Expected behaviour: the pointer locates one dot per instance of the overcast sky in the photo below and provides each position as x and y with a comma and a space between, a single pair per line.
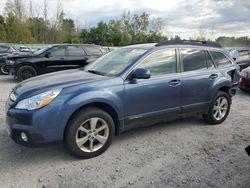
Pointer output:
181, 17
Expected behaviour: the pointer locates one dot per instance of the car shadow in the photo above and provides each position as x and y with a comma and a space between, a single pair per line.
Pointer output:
244, 93
12, 152
7, 79
181, 123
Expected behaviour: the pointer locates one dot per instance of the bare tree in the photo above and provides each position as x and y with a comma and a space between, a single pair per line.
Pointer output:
212, 33
31, 13
45, 18
201, 33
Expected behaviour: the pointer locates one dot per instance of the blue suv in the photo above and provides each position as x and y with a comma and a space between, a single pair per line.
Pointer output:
130, 87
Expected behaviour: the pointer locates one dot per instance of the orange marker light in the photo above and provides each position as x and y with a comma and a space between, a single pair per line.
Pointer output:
46, 102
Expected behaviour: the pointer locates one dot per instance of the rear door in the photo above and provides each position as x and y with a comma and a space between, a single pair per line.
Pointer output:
228, 68
74, 57
198, 76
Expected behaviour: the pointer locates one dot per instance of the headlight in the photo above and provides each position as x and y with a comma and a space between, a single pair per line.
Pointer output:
38, 101
12, 96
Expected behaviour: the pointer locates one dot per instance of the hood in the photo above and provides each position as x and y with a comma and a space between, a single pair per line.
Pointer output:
59, 79
20, 56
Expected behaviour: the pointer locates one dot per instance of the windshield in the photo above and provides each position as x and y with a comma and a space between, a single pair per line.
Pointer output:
114, 62
38, 52
4, 49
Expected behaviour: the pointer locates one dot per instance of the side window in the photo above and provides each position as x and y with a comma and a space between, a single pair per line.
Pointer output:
220, 59
193, 59
244, 55
160, 62
210, 63
57, 51
92, 51
74, 51
3, 49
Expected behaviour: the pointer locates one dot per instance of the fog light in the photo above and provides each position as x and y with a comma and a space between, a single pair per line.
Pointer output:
24, 137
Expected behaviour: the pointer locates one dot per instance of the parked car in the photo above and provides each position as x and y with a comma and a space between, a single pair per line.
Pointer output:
245, 79
51, 59
23, 49
243, 59
4, 51
129, 87
248, 150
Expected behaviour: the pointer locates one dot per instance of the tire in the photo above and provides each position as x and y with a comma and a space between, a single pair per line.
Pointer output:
3, 69
79, 136
25, 72
218, 110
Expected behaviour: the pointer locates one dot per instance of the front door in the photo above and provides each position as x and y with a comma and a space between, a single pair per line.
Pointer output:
55, 60
148, 101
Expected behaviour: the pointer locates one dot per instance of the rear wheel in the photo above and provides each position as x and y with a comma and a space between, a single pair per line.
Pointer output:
89, 133
3, 69
219, 108
25, 72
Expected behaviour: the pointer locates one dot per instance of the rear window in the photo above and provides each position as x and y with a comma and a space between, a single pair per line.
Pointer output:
92, 51
74, 51
220, 59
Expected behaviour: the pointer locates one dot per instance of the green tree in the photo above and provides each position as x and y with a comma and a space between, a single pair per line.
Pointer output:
67, 30
17, 29
84, 36
37, 27
2, 29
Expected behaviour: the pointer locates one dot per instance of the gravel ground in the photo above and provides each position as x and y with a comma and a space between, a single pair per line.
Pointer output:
182, 153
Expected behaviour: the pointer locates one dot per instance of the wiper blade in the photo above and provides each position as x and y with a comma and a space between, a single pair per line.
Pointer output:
97, 72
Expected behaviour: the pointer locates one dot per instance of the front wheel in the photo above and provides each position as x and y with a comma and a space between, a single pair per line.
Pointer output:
25, 72
219, 108
89, 133
3, 69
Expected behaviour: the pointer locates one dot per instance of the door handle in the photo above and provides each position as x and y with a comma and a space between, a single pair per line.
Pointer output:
174, 82
213, 76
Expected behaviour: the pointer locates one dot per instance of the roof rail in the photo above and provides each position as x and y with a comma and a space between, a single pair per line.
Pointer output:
189, 42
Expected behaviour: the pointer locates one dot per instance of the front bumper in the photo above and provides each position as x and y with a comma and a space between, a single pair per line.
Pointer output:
41, 126
12, 70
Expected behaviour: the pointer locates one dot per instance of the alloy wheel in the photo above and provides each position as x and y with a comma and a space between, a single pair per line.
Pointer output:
4, 69
92, 134
220, 108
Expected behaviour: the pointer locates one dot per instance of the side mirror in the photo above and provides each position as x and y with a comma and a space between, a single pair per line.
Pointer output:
47, 55
140, 73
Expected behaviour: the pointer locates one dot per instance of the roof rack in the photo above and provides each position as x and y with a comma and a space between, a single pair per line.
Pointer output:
190, 42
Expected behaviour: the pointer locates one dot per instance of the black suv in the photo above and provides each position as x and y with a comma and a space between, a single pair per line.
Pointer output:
51, 59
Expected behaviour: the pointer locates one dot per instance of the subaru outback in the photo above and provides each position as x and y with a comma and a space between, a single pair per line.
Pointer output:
129, 87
